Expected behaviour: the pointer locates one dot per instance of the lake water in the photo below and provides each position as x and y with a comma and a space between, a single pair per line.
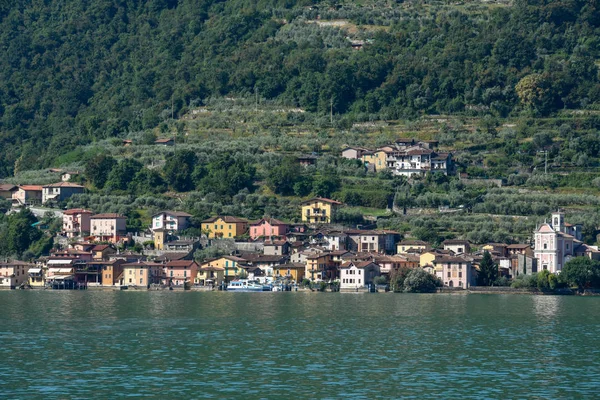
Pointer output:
69, 344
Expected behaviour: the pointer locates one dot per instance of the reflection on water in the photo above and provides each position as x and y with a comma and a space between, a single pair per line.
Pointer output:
319, 345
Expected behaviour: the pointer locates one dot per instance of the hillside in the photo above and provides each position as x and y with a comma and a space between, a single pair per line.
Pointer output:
76, 72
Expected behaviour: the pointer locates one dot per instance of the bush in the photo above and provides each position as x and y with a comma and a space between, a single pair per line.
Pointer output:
420, 281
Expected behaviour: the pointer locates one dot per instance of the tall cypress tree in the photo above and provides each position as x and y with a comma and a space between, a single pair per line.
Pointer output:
488, 271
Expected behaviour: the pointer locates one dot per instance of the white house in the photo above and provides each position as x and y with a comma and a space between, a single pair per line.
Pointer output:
357, 275
171, 220
108, 226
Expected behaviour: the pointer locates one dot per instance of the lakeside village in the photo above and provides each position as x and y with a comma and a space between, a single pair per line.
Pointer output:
270, 254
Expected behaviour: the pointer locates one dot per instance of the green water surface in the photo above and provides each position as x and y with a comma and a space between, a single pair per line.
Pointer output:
78, 344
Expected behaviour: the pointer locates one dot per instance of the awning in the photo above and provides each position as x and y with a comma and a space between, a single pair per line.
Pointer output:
54, 270
34, 270
59, 262
65, 270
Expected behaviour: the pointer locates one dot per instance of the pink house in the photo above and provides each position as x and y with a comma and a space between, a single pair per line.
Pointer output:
267, 227
181, 271
76, 222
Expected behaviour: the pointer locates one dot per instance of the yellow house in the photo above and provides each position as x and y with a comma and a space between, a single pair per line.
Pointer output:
319, 210
404, 246
318, 265
210, 275
230, 265
378, 158
224, 227
142, 274
294, 271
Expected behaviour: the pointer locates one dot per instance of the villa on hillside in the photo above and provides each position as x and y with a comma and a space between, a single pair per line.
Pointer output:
319, 210
60, 191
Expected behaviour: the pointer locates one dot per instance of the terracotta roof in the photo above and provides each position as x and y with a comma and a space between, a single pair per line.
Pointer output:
226, 218
180, 263
36, 188
107, 215
271, 221
163, 140
7, 187
324, 200
74, 211
100, 247
64, 184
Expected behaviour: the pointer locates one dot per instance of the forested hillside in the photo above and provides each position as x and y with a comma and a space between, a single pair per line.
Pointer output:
73, 72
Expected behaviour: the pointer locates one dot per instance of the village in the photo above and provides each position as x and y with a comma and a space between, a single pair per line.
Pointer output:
314, 253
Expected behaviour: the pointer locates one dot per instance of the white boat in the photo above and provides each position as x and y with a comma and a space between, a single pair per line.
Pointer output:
244, 285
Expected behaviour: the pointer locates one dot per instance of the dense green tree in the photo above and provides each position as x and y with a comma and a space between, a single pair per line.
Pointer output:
488, 270
283, 177
179, 169
122, 174
227, 175
581, 272
19, 233
418, 280
325, 184
98, 168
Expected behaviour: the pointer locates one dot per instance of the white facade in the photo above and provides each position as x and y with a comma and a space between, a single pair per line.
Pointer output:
357, 275
553, 247
172, 221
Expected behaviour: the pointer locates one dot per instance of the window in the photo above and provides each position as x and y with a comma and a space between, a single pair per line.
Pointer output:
359, 281
460, 274
448, 274
141, 281
545, 246
184, 274
129, 280
171, 273
460, 250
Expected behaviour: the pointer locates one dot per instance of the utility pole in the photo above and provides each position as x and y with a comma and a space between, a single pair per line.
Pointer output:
546, 163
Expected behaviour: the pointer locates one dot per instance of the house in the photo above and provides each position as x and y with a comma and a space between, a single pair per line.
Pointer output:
112, 272
426, 258
276, 248
319, 210
108, 227
407, 158
231, 266
406, 246
181, 271
320, 266
102, 252
499, 249
76, 222
127, 142
27, 194
307, 160
553, 246
181, 246
268, 227
6, 190
513, 249
292, 271
36, 276
264, 262
14, 273
224, 227
335, 241
455, 271
210, 275
457, 246
165, 142
354, 153
143, 274
68, 175
357, 275
388, 264
60, 191
173, 221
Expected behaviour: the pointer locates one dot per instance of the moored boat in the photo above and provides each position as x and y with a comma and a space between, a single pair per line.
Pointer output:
244, 285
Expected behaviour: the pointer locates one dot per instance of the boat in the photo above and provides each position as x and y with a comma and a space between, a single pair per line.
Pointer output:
244, 285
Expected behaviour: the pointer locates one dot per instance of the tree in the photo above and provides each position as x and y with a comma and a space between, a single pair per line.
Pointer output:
581, 272
397, 277
536, 93
20, 233
488, 270
282, 179
98, 168
123, 174
419, 281
147, 181
325, 184
178, 170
